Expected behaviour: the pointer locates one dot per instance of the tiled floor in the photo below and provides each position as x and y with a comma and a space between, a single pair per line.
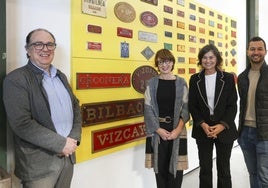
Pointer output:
238, 169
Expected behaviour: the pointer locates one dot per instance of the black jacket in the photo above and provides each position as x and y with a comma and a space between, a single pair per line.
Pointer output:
225, 105
261, 101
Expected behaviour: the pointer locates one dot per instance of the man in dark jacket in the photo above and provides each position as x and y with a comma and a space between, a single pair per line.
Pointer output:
44, 116
253, 117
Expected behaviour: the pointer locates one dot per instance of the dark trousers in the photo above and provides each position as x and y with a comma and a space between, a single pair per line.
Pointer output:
223, 154
164, 179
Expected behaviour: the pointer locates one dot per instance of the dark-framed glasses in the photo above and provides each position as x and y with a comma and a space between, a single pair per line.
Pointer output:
164, 62
40, 45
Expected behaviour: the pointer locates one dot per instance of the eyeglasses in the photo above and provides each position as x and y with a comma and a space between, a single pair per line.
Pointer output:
163, 62
40, 45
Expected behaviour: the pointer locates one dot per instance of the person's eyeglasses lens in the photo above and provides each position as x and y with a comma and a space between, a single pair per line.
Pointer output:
161, 63
40, 45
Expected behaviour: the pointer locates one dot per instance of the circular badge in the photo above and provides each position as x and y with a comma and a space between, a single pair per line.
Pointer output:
124, 12
148, 19
141, 75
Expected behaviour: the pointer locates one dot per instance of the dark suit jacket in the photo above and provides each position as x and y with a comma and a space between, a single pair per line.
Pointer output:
37, 143
225, 105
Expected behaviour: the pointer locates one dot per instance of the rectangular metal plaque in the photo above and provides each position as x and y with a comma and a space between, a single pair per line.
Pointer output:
192, 70
180, 13
103, 112
102, 80
123, 32
180, 25
168, 34
202, 30
181, 70
192, 60
94, 46
104, 139
94, 29
168, 22
168, 9
96, 8
153, 2
181, 59
180, 48
192, 27
168, 46
202, 20
146, 36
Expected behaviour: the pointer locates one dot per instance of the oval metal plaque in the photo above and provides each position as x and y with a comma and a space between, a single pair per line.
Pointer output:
124, 12
148, 19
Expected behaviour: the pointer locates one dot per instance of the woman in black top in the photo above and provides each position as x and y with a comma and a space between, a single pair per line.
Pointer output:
165, 115
212, 104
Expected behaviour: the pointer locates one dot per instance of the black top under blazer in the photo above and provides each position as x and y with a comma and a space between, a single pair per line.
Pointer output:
225, 103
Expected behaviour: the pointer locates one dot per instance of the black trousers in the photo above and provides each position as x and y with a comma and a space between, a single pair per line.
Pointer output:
223, 154
164, 179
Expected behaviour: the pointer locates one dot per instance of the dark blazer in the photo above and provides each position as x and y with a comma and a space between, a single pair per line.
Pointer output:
37, 144
225, 105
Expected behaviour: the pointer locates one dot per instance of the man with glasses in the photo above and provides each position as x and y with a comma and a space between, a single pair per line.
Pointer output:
44, 116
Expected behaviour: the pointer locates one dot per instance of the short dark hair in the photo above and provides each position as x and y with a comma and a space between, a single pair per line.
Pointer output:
256, 38
164, 54
29, 36
215, 51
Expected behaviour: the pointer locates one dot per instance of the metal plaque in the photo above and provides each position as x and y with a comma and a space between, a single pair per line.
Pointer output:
103, 112
168, 34
233, 62
123, 32
181, 59
233, 34
202, 30
192, 70
201, 10
107, 138
124, 12
141, 75
181, 48
96, 8
202, 40
192, 6
94, 46
180, 25
124, 49
102, 80
180, 36
94, 29
153, 2
168, 9
192, 60
168, 22
192, 38
181, 70
148, 19
180, 13
146, 36
192, 27
202, 20
192, 50
168, 46
147, 52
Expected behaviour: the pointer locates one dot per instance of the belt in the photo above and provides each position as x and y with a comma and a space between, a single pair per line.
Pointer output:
166, 119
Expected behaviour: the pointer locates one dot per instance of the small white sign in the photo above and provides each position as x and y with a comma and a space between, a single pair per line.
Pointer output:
94, 7
146, 36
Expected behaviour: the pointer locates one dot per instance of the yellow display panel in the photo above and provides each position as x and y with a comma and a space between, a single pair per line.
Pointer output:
183, 26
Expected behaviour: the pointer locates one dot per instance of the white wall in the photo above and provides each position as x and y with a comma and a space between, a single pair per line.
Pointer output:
121, 169
263, 27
